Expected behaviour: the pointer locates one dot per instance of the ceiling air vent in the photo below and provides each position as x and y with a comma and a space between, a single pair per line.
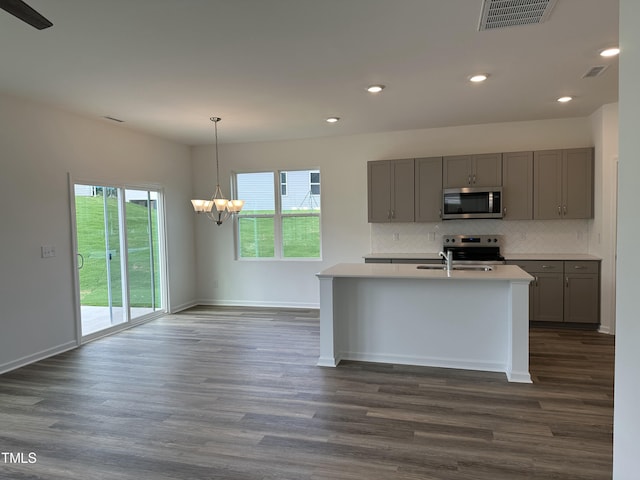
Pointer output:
508, 13
595, 71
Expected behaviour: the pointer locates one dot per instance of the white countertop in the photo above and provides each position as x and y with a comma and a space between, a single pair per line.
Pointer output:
391, 270
508, 256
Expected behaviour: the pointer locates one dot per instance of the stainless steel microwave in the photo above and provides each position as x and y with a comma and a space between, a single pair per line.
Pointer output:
472, 202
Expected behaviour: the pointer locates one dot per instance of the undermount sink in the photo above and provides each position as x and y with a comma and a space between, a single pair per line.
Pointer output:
477, 268
474, 268
431, 267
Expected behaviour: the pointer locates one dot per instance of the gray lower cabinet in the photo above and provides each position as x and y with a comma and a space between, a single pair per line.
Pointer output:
390, 190
563, 291
582, 292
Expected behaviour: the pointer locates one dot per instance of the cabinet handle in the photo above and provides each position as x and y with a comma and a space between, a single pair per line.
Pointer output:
579, 267
567, 281
559, 210
440, 213
565, 209
393, 214
469, 180
474, 178
535, 280
547, 266
388, 214
504, 211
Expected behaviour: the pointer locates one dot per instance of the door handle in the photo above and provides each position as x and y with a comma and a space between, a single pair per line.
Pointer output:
559, 210
81, 263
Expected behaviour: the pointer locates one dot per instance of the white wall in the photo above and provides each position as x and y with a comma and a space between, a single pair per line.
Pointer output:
39, 146
346, 235
627, 388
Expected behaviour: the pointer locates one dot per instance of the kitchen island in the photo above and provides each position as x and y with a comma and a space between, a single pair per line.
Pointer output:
398, 313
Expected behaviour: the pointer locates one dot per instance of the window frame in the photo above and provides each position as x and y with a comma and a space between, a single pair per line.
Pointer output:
278, 215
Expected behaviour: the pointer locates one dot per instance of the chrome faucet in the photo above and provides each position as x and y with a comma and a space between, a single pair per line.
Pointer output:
447, 258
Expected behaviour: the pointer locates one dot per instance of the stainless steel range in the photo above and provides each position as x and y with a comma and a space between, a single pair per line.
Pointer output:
479, 249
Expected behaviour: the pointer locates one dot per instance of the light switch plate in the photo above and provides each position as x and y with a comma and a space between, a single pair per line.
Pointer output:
47, 251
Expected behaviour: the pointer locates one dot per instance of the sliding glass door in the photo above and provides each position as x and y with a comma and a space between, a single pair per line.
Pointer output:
143, 245
118, 242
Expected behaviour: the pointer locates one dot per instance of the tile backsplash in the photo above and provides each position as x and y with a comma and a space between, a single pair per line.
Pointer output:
531, 236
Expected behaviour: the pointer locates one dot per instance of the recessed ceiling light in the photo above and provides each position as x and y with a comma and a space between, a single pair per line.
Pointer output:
610, 52
565, 99
479, 78
332, 119
375, 88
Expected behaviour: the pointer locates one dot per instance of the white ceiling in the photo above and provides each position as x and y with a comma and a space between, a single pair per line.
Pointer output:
274, 69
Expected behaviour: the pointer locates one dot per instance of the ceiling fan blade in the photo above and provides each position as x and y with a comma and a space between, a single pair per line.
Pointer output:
25, 13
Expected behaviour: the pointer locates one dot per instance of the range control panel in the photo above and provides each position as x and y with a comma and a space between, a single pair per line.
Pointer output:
472, 240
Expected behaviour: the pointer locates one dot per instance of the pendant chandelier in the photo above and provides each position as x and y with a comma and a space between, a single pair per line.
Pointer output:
223, 208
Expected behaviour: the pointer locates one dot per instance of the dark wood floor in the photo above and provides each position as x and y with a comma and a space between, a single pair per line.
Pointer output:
235, 394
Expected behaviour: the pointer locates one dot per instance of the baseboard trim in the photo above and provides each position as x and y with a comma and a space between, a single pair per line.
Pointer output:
36, 357
257, 304
183, 306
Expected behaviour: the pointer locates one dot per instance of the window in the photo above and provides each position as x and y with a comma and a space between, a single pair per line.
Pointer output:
281, 214
314, 183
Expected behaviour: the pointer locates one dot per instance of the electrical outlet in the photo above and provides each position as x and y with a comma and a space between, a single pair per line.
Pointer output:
47, 251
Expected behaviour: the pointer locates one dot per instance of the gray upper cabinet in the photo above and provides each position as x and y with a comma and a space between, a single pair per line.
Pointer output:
563, 184
517, 185
483, 170
428, 189
390, 190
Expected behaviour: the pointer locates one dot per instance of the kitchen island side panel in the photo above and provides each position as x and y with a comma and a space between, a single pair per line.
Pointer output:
431, 322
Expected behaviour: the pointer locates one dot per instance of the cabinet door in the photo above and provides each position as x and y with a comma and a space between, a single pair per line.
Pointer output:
402, 191
548, 301
581, 299
577, 186
517, 185
456, 171
379, 191
582, 292
547, 184
487, 170
428, 189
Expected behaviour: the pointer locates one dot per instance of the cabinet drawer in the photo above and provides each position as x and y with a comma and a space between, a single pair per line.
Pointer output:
539, 266
584, 266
